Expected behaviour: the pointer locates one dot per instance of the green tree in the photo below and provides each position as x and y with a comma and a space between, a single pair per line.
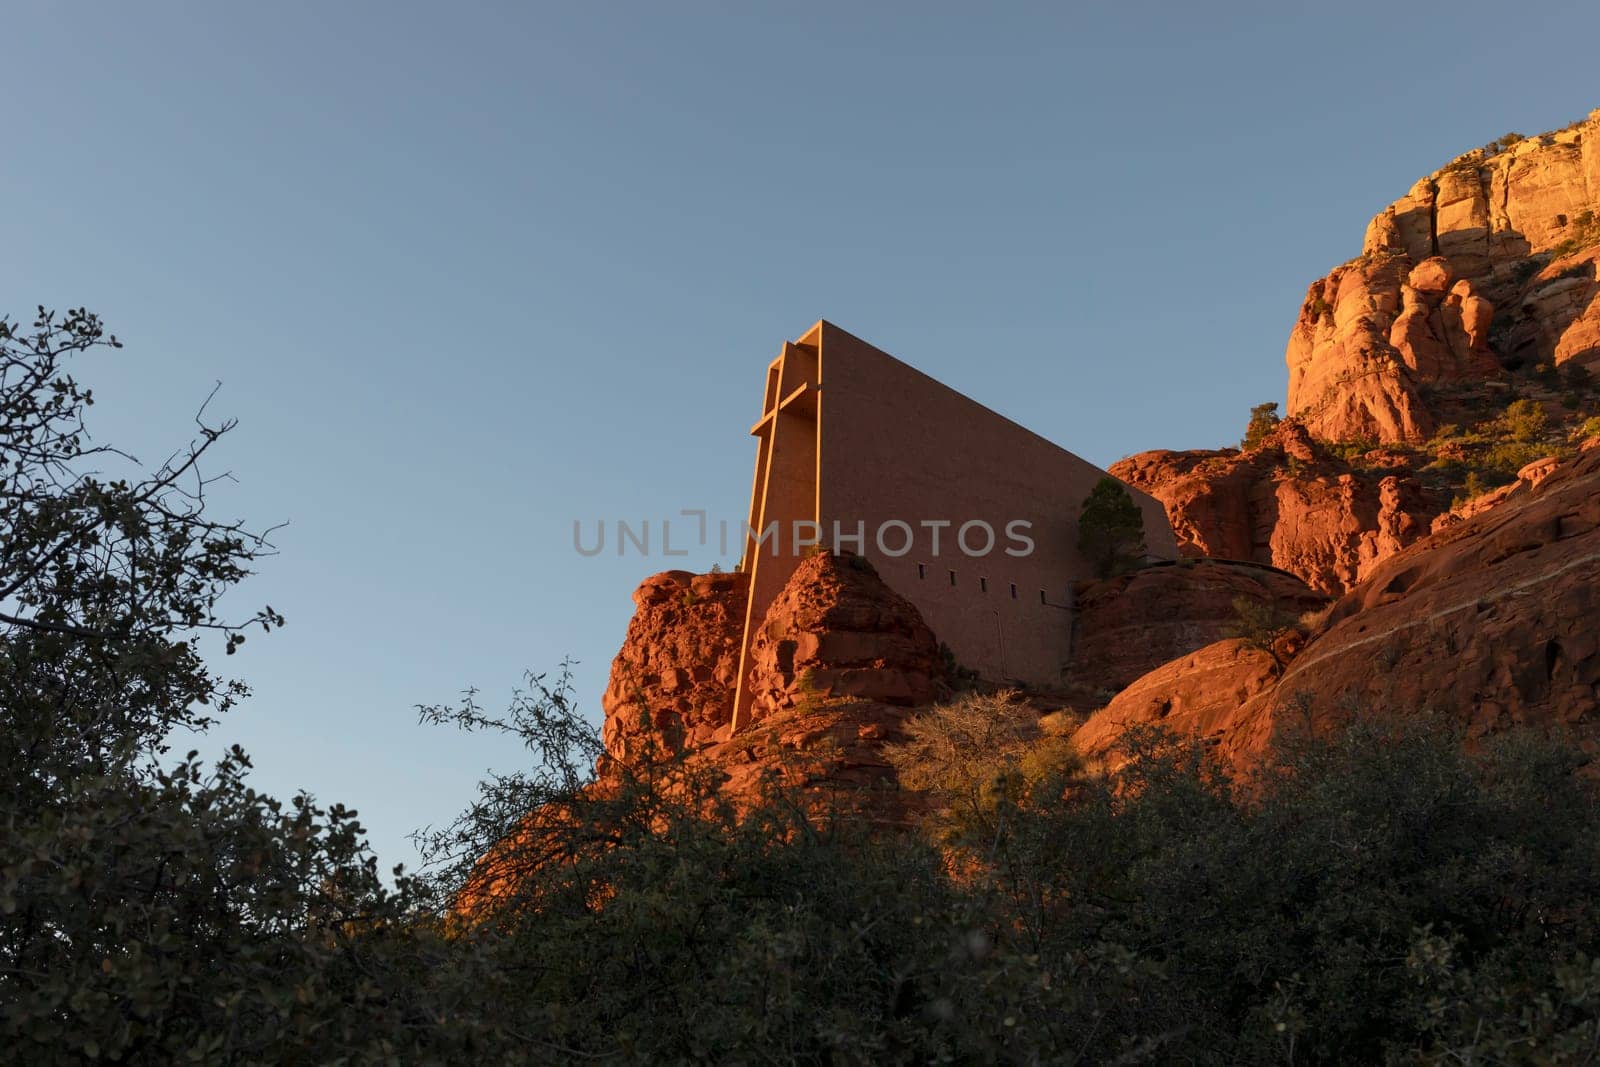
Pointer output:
1261, 624
150, 909
1110, 528
1263, 420
1524, 420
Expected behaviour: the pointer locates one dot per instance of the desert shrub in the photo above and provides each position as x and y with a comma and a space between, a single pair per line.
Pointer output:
1502, 461
956, 674
1350, 451
1372, 892
1590, 428
1263, 420
966, 754
1260, 623
1472, 486
1524, 421
1284, 921
1523, 271
152, 908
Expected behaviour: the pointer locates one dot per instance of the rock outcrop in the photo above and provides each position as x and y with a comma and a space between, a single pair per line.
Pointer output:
672, 682
1130, 625
837, 630
1499, 240
1527, 478
1490, 621
1212, 693
836, 666
1288, 503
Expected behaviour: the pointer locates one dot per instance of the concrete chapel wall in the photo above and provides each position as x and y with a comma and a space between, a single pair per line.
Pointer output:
851, 435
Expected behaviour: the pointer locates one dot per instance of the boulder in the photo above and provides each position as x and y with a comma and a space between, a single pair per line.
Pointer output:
838, 630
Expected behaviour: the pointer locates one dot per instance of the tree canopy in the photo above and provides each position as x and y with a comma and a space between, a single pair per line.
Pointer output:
1110, 528
1263, 420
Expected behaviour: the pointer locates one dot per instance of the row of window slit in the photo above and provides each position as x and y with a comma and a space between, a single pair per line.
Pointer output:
983, 583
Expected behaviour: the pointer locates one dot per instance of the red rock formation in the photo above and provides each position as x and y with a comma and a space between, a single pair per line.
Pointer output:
1415, 309
1560, 314
1528, 477
1288, 503
1210, 694
672, 681
837, 630
837, 665
1490, 621
827, 753
1128, 626
1485, 269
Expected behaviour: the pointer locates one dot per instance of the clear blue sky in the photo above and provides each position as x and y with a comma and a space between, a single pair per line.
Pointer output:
469, 272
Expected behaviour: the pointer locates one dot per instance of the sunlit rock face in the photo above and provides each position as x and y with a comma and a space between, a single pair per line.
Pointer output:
1289, 503
1488, 622
1485, 264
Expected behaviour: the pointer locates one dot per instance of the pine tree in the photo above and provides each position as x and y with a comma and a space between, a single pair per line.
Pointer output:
1110, 529
1263, 420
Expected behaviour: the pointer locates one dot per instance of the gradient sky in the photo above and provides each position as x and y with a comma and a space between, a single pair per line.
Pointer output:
468, 273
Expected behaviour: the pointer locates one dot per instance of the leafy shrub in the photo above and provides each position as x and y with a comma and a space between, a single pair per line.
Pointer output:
1375, 892
1472, 487
966, 755
1524, 271
1263, 420
1524, 420
1351, 450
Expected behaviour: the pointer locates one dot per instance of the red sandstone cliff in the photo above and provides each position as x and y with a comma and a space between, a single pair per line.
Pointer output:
672, 682
1490, 622
1290, 503
1129, 625
1465, 273
837, 664
1474, 291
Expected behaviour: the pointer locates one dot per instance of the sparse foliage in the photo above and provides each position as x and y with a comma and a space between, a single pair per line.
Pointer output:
1111, 529
1524, 421
1261, 624
1263, 420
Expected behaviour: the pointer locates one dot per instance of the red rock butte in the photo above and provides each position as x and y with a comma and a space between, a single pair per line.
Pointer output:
966, 514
